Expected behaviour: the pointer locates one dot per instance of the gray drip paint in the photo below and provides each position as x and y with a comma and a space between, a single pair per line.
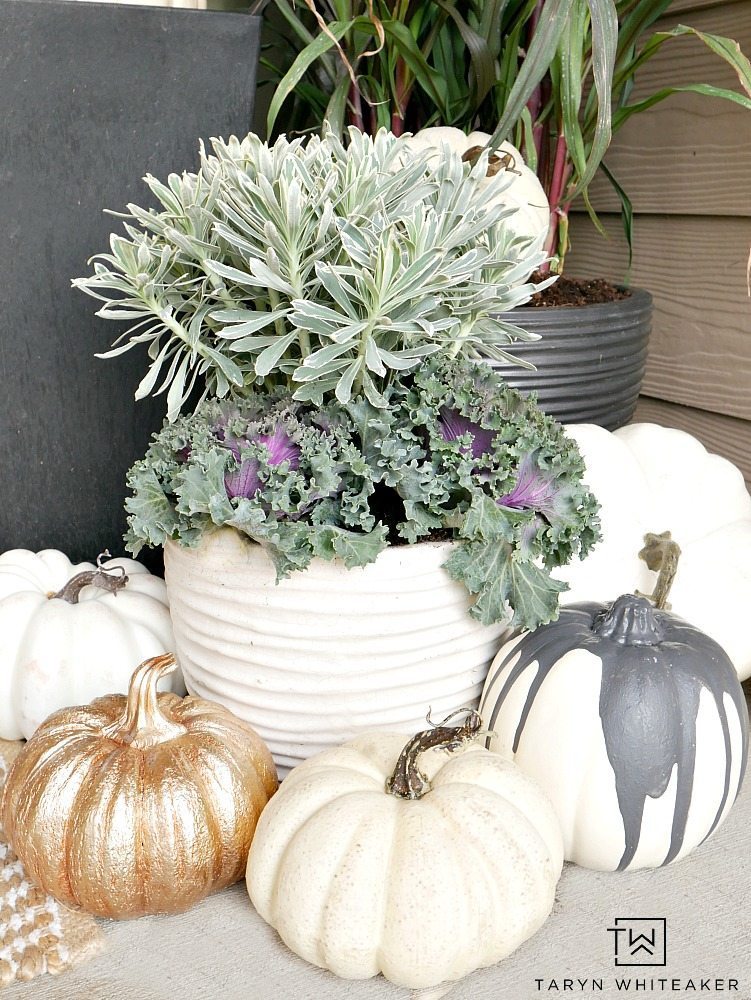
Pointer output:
654, 668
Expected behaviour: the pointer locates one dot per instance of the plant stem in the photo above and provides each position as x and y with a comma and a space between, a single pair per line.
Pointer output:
542, 137
661, 554
456, 345
355, 104
144, 724
303, 339
559, 180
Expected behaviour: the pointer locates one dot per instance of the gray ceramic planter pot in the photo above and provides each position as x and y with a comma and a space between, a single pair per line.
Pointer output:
92, 97
590, 361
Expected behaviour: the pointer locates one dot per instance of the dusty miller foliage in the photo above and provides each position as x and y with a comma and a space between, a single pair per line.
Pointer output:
321, 267
455, 451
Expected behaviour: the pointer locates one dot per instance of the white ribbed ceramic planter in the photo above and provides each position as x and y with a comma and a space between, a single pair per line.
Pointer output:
328, 652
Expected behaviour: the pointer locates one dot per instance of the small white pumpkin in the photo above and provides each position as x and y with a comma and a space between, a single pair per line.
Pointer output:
654, 479
71, 633
524, 192
366, 863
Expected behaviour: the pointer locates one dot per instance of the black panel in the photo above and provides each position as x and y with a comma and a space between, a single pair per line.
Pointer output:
92, 96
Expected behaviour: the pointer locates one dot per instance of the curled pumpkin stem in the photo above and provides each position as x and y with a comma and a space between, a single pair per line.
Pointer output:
408, 781
113, 579
661, 554
496, 161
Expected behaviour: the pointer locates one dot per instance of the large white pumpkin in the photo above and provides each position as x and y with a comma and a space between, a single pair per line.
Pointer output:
656, 479
361, 881
57, 651
518, 186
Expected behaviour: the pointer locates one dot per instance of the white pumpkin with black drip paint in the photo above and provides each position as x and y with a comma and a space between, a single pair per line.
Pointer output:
631, 719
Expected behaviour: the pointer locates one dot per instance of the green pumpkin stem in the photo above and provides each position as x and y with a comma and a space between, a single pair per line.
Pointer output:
143, 724
113, 580
408, 781
661, 554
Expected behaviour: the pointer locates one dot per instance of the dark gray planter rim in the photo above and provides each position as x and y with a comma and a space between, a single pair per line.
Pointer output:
639, 299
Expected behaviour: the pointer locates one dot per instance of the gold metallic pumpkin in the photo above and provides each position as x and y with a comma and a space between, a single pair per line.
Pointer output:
137, 805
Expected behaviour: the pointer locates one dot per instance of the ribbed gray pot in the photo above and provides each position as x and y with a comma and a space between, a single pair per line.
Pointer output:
590, 361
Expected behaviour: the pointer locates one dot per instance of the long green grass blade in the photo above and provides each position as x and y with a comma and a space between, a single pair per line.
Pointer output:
489, 26
627, 216
309, 55
604, 22
540, 55
621, 116
637, 21
571, 65
336, 109
423, 73
726, 48
483, 65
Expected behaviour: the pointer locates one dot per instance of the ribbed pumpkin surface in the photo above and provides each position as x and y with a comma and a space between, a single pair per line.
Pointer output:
328, 652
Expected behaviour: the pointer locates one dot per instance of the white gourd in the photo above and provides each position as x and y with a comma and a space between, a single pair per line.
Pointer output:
654, 479
518, 186
56, 652
360, 881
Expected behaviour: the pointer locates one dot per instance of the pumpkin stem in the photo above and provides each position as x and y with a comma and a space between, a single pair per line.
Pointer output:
661, 554
408, 781
112, 579
496, 161
631, 621
143, 724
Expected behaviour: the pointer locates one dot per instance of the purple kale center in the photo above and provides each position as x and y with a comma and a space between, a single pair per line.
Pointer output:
453, 426
535, 489
245, 481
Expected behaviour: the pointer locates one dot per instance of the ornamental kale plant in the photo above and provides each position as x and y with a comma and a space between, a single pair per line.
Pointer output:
322, 268
454, 454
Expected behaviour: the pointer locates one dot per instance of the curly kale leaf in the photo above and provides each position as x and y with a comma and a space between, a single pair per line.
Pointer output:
509, 588
465, 451
353, 548
152, 518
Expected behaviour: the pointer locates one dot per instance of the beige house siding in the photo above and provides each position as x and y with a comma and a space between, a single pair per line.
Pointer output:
686, 165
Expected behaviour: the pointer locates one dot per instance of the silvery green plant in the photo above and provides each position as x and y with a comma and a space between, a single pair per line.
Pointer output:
322, 268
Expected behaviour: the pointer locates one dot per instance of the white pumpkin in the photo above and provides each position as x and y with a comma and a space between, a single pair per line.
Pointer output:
447, 870
656, 479
57, 651
524, 192
632, 721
